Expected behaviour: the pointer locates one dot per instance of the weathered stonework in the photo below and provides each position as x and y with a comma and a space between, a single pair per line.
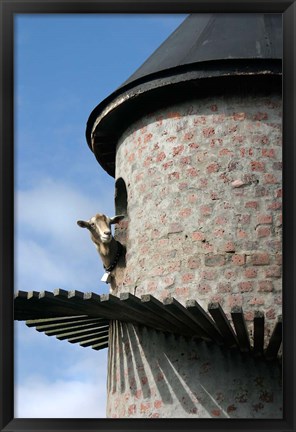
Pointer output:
204, 193
204, 201
153, 375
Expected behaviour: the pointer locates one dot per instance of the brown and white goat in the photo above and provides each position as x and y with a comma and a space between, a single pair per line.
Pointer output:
110, 250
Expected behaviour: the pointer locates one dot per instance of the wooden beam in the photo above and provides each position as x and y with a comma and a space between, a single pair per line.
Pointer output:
100, 346
241, 328
94, 341
124, 312
181, 313
75, 330
81, 338
203, 319
56, 320
71, 324
92, 304
138, 307
258, 334
275, 341
223, 325
156, 307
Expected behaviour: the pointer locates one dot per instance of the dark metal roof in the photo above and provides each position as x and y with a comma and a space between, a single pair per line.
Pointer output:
215, 47
83, 318
205, 37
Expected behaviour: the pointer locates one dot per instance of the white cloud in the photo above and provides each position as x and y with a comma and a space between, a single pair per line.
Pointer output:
52, 209
40, 398
51, 250
57, 379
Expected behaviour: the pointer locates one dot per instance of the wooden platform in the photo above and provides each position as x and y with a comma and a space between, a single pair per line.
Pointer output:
84, 318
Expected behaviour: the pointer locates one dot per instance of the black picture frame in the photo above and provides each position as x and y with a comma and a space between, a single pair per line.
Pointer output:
10, 7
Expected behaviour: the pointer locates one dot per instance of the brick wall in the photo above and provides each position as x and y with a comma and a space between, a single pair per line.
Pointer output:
204, 193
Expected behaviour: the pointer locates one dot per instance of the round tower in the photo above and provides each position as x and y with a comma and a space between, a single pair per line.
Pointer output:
194, 142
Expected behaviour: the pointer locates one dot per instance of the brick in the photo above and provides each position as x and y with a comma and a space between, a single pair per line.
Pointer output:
241, 234
224, 287
264, 219
214, 260
166, 165
225, 152
160, 157
145, 407
238, 259
244, 219
275, 205
260, 116
250, 272
182, 292
185, 160
174, 176
268, 153
158, 404
234, 300
229, 247
209, 274
273, 272
178, 150
215, 142
263, 231
132, 409
207, 247
219, 233
192, 172
198, 236
270, 179
270, 314
203, 288
252, 204
230, 274
258, 166
239, 116
246, 286
187, 277
175, 228
266, 286
193, 263
205, 210
192, 198
188, 136
257, 301
208, 131
184, 213
220, 220
212, 168
258, 259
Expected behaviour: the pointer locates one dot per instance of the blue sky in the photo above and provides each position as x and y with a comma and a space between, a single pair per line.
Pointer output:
64, 66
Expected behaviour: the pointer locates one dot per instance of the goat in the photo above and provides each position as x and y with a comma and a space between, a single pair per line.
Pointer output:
112, 252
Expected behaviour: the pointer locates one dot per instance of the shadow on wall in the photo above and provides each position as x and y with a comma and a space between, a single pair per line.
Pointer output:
184, 377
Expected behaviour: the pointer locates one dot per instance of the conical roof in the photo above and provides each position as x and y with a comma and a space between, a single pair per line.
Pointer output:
204, 46
206, 37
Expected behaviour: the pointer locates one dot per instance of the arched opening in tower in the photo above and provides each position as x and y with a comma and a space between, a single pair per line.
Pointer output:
120, 197
121, 203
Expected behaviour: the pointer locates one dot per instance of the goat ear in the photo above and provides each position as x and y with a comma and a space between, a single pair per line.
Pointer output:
116, 219
83, 224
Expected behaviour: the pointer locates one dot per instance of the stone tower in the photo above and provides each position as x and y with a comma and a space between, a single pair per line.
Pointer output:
194, 142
